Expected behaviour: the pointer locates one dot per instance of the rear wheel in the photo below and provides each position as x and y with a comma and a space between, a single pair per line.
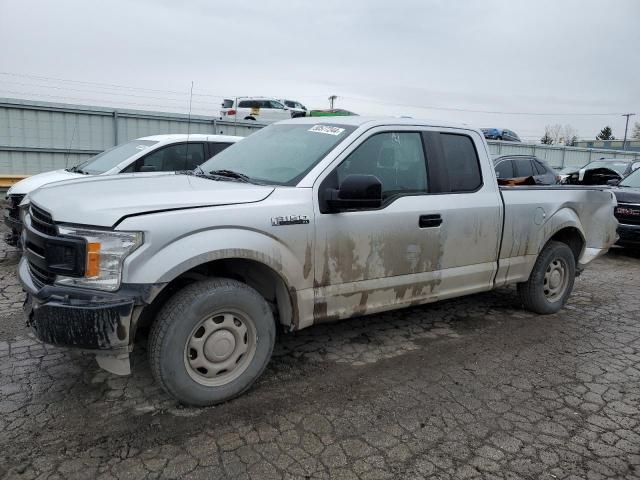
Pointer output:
551, 281
250, 118
211, 341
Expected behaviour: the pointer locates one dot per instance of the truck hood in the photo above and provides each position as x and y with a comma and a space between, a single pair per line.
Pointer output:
29, 184
103, 201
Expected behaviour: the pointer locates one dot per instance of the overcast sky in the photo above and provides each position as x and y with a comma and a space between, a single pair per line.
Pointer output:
425, 58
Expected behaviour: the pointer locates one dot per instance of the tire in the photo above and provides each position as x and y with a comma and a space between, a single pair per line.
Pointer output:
205, 327
250, 118
551, 280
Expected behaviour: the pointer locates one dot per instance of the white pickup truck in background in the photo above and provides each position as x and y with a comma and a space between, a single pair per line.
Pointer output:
157, 153
303, 222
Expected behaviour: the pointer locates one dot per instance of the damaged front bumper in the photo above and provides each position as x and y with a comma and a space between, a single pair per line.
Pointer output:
95, 321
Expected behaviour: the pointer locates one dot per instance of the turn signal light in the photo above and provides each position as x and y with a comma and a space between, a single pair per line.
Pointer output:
93, 260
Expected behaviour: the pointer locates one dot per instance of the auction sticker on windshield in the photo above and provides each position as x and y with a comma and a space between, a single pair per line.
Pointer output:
329, 130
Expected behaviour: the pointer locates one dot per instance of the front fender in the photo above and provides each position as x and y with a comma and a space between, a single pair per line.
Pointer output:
165, 264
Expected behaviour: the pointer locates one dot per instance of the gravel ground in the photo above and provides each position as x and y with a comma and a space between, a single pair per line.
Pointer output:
468, 388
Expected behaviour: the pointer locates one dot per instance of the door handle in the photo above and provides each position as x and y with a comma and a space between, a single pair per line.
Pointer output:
430, 221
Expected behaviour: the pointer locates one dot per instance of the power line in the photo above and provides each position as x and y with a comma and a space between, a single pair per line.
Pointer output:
142, 89
94, 100
433, 107
105, 85
56, 87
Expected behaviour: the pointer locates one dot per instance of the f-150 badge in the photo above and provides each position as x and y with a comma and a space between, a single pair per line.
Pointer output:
289, 220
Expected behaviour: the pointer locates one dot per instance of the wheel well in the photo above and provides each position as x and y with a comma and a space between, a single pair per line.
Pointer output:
266, 281
572, 237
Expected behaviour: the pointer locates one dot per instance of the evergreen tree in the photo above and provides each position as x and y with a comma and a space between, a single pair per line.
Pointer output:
605, 134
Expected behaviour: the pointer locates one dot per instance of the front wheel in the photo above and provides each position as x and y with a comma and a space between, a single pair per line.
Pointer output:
211, 341
551, 280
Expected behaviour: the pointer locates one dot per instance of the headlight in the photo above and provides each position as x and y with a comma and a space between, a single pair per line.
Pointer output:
105, 253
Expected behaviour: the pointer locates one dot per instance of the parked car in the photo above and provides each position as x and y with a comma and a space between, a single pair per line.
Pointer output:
500, 134
157, 153
600, 172
627, 212
306, 221
263, 109
297, 109
522, 166
331, 112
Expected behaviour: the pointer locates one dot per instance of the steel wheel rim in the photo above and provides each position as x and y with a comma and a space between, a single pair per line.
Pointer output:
220, 347
556, 279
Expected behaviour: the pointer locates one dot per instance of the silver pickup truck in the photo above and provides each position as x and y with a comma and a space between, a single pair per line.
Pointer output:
306, 221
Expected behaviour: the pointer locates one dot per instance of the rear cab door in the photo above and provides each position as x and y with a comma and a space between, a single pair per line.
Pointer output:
435, 236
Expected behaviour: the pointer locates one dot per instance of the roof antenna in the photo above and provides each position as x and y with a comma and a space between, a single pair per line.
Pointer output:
73, 134
186, 153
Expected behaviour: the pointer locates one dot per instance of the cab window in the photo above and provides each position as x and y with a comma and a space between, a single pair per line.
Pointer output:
396, 158
183, 156
460, 163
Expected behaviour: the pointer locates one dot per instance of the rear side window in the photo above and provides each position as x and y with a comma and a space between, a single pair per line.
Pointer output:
181, 156
539, 167
504, 169
461, 163
216, 147
524, 167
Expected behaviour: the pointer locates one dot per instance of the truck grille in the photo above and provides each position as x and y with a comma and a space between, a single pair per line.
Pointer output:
13, 206
41, 277
49, 254
627, 213
42, 221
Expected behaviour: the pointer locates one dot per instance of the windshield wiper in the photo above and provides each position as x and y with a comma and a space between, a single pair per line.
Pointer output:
77, 169
231, 174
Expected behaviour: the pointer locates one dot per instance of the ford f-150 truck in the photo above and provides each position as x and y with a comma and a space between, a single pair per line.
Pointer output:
303, 222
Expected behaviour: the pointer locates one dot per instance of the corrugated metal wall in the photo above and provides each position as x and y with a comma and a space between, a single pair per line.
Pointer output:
40, 136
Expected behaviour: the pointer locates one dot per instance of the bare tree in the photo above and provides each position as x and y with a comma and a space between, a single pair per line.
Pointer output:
558, 134
552, 133
569, 136
636, 131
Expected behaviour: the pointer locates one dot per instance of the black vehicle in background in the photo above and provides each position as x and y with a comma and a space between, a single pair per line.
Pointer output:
599, 172
522, 166
500, 134
627, 212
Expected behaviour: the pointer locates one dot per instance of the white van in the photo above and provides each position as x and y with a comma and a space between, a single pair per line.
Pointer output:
158, 153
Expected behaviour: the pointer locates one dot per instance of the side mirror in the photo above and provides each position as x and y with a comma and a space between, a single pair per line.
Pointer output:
147, 168
355, 192
613, 182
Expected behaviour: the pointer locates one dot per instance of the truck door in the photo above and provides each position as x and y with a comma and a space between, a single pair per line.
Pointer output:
428, 240
467, 198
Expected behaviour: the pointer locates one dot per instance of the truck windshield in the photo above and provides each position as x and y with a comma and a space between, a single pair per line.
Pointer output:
112, 157
633, 180
280, 154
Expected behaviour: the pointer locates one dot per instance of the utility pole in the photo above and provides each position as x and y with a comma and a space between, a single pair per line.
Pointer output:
332, 99
624, 142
